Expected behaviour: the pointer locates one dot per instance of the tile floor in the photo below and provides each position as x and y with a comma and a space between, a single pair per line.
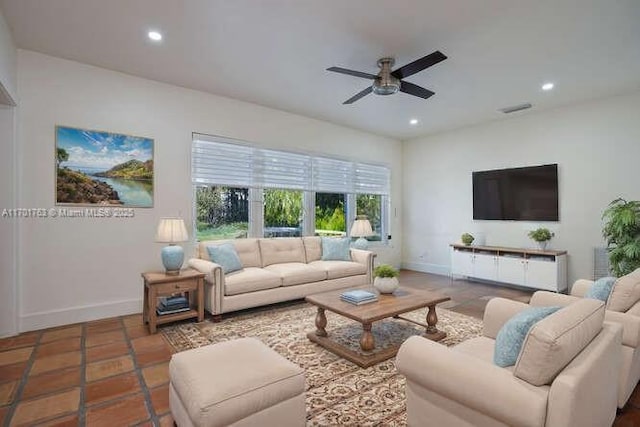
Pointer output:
112, 372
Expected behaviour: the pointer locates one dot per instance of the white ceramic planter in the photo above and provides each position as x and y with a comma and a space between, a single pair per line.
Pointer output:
386, 285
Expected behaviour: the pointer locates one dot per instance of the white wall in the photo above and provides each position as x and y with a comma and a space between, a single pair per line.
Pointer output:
8, 225
75, 269
596, 146
8, 57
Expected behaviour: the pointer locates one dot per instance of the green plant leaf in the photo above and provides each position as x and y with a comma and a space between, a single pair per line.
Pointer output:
621, 231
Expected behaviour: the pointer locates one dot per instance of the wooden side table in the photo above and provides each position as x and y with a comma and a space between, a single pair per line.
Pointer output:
161, 284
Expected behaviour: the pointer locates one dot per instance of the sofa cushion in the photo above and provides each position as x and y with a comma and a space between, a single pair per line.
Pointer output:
226, 256
296, 273
338, 269
336, 249
601, 289
281, 249
554, 341
250, 279
247, 249
511, 336
479, 347
625, 293
312, 248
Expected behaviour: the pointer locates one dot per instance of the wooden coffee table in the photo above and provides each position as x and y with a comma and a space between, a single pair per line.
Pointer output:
403, 300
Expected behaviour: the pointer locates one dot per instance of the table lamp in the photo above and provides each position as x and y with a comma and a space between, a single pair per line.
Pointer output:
172, 230
361, 228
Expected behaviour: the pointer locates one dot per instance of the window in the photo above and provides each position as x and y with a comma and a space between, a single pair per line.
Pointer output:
331, 214
370, 205
221, 212
245, 191
282, 213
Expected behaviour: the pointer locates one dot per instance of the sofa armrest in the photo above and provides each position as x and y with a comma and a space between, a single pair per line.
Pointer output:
472, 382
580, 287
214, 283
630, 326
364, 257
207, 267
546, 298
635, 309
497, 312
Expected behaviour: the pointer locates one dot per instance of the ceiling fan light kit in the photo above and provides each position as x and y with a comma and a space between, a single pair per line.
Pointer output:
388, 82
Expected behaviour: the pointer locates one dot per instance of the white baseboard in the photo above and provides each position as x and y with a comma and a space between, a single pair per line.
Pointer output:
442, 270
49, 319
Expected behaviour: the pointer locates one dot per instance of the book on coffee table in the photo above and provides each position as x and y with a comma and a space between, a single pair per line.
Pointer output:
358, 297
367, 301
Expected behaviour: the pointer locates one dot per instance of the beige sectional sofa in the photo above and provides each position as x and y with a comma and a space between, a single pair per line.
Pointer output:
275, 270
629, 319
564, 376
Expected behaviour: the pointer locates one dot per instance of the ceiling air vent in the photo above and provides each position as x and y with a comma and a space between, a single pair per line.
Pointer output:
515, 108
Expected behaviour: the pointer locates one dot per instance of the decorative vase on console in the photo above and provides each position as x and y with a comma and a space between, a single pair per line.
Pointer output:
385, 279
542, 236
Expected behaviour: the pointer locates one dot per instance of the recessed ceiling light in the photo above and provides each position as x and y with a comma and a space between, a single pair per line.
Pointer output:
155, 36
547, 86
413, 121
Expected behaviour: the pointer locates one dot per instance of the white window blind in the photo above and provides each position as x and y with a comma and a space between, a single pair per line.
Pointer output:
372, 179
217, 161
332, 176
280, 169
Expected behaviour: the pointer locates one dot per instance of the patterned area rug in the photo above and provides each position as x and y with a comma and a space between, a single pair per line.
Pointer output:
338, 392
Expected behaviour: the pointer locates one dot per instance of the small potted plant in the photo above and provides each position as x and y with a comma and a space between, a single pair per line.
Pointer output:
385, 278
467, 239
542, 236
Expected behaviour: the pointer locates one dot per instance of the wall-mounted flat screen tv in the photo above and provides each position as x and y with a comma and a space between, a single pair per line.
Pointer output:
518, 194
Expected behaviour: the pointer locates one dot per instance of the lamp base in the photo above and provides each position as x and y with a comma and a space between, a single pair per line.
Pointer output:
361, 243
172, 258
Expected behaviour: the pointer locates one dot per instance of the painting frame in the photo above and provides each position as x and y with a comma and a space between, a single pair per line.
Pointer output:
98, 168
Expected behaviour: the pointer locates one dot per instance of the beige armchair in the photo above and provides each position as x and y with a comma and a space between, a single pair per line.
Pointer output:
630, 320
562, 376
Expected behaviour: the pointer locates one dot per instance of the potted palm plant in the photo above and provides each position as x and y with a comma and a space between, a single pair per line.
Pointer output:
542, 236
622, 233
385, 278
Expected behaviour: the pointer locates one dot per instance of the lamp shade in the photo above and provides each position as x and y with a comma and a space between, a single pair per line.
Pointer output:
361, 228
171, 230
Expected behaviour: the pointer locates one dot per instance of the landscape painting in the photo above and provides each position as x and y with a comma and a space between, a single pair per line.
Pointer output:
103, 168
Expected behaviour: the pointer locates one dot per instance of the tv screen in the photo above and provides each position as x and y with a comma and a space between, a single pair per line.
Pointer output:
520, 194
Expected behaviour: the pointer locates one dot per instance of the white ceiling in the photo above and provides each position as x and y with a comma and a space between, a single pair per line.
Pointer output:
275, 52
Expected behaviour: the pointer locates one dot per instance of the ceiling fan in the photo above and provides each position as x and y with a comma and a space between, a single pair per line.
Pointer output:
388, 82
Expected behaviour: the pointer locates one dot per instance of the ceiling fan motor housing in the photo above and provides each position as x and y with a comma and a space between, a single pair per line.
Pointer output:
385, 83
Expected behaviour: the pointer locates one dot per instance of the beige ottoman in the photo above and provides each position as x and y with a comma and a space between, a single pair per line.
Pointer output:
240, 383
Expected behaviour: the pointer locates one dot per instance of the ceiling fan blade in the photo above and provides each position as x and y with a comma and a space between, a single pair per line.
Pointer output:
352, 73
419, 65
415, 90
358, 95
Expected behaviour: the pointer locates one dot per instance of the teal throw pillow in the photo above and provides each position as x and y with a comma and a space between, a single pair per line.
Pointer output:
512, 334
336, 249
225, 255
601, 289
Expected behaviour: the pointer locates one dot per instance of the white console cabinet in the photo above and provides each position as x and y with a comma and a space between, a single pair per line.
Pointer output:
523, 267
